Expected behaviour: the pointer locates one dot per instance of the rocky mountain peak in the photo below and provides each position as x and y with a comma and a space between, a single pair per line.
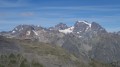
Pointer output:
61, 26
22, 26
81, 26
82, 23
26, 31
96, 27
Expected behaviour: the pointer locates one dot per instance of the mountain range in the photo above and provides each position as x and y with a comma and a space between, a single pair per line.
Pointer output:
82, 45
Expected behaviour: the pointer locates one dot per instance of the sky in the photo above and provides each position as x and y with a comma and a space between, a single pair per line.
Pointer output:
48, 13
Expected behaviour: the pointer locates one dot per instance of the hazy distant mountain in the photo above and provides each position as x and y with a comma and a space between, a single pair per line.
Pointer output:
118, 32
86, 41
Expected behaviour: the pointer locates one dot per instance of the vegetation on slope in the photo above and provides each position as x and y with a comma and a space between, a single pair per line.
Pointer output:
36, 54
17, 60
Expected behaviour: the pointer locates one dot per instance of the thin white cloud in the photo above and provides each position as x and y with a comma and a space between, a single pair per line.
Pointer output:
16, 3
92, 8
27, 14
2, 14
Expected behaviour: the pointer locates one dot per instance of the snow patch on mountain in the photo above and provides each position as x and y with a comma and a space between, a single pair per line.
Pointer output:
68, 30
87, 28
28, 33
35, 32
78, 32
13, 31
89, 24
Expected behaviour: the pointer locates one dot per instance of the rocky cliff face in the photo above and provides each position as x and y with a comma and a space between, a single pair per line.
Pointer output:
60, 26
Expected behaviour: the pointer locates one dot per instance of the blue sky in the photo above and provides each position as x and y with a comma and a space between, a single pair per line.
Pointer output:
51, 12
